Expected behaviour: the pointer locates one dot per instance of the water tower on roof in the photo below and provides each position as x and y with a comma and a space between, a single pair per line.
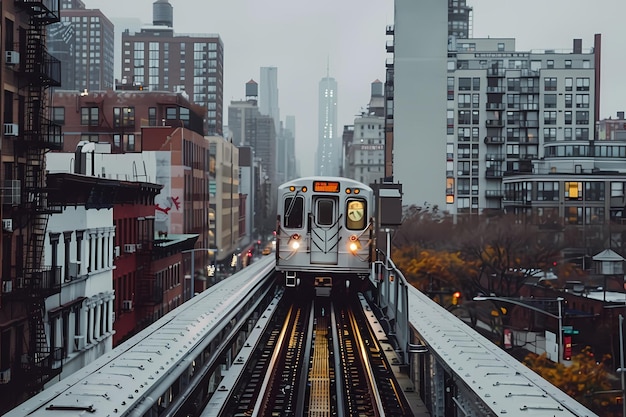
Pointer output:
162, 13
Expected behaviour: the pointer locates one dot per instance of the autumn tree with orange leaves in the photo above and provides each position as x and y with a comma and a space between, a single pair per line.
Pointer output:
493, 255
587, 380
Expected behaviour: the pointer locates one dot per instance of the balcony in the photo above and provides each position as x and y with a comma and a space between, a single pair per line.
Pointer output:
494, 140
494, 194
46, 69
43, 282
389, 63
46, 11
47, 136
527, 73
495, 106
390, 29
494, 123
494, 157
494, 173
495, 90
496, 72
39, 368
389, 45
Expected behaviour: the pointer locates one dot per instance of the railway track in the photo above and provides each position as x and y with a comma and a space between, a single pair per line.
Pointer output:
318, 359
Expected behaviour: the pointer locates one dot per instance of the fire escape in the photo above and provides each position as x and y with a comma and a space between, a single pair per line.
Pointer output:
35, 282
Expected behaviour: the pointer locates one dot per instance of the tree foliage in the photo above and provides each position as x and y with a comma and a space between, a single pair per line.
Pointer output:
587, 379
494, 255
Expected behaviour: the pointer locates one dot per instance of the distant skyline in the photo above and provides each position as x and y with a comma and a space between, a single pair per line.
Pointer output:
349, 35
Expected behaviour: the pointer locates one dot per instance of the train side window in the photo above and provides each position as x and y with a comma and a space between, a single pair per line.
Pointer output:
325, 212
356, 210
294, 212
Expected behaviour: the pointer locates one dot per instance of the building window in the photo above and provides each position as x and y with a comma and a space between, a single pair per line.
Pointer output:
549, 101
550, 64
171, 113
89, 116
582, 101
568, 101
58, 115
582, 84
568, 63
548, 191
582, 133
594, 191
568, 117
550, 83
574, 215
569, 83
549, 117
567, 133
465, 84
124, 117
582, 117
152, 116
573, 190
89, 138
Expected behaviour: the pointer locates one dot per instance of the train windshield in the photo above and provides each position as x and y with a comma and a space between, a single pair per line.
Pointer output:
294, 212
356, 214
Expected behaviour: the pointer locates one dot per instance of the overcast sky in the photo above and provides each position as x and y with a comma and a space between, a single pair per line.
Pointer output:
299, 38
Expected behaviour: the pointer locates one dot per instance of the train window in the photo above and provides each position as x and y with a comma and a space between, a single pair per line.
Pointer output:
325, 212
294, 212
356, 218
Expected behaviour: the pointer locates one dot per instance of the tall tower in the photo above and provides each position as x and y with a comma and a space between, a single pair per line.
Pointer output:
329, 144
268, 98
84, 43
165, 61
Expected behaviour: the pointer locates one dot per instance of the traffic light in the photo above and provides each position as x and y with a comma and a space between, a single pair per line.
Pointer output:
455, 298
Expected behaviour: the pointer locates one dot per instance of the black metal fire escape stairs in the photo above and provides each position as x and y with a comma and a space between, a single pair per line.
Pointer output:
39, 71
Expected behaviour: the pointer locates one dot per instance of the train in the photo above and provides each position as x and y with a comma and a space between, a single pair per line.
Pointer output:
325, 234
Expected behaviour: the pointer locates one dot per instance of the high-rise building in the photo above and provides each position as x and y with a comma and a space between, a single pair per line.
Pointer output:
84, 43
268, 97
251, 128
329, 144
416, 100
364, 142
465, 115
157, 59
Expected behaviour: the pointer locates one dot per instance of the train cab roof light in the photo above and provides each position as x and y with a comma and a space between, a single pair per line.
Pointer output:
356, 191
304, 189
348, 191
292, 188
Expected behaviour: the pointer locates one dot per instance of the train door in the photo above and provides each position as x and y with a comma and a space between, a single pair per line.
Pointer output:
325, 226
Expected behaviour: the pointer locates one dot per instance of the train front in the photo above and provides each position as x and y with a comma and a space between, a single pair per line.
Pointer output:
324, 233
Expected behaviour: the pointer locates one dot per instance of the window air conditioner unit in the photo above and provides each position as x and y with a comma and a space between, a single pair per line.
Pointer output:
12, 57
7, 286
129, 248
7, 225
79, 342
127, 305
74, 270
11, 129
5, 376
116, 251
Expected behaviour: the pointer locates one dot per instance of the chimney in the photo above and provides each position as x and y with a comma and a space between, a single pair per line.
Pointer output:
620, 115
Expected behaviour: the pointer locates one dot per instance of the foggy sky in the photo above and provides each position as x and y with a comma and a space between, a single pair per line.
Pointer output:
300, 38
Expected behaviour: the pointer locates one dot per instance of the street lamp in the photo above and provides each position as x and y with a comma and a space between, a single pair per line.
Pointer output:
193, 267
520, 303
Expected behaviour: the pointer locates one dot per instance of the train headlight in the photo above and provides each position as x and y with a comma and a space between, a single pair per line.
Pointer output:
294, 241
353, 244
